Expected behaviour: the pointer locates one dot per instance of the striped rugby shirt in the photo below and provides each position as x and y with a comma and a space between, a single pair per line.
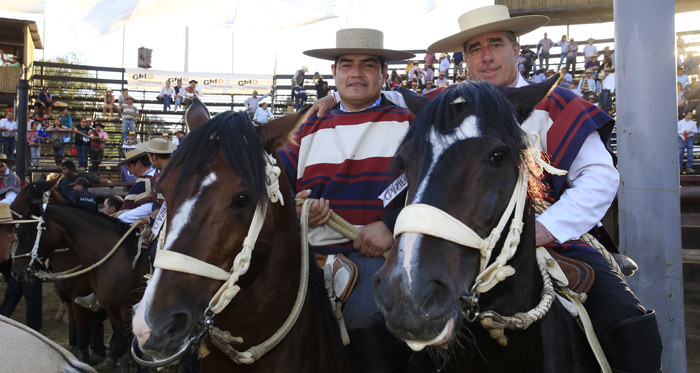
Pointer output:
346, 158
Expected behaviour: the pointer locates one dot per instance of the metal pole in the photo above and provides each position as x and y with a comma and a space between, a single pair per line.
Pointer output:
123, 45
22, 100
187, 48
232, 45
649, 198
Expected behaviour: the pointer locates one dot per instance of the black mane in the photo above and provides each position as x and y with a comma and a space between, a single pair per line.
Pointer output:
480, 99
234, 135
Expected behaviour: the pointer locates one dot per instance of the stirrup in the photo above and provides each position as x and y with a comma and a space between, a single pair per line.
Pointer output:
89, 302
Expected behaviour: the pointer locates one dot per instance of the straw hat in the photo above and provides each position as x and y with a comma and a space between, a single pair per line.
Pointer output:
306, 69
157, 145
487, 19
359, 41
131, 155
6, 215
3, 158
608, 69
589, 70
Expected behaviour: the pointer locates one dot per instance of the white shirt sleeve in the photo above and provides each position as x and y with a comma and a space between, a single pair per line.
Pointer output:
9, 197
594, 180
135, 214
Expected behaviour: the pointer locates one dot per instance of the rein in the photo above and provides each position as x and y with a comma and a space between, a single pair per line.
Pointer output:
169, 260
429, 220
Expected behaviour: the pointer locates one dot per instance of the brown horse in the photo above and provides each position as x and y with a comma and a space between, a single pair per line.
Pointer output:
464, 155
213, 186
90, 236
80, 319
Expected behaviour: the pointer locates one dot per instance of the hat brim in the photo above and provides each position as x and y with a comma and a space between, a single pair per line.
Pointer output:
134, 156
331, 53
146, 149
518, 25
6, 222
8, 160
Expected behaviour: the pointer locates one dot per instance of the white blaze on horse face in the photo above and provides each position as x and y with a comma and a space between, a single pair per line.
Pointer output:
440, 143
184, 212
407, 245
175, 226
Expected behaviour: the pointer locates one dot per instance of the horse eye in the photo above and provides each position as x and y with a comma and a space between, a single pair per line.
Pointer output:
241, 200
498, 158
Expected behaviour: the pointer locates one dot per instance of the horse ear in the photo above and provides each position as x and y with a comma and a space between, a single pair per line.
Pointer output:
50, 184
280, 131
414, 102
196, 114
525, 99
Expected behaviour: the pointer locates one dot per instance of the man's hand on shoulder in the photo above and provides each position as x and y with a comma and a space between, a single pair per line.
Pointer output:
374, 239
321, 106
319, 212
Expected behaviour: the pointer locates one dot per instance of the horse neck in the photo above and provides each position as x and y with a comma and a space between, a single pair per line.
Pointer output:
89, 239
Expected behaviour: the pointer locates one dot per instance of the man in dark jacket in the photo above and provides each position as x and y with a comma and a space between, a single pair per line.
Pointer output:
81, 196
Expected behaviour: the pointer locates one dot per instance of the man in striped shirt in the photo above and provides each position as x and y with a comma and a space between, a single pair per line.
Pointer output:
342, 160
129, 113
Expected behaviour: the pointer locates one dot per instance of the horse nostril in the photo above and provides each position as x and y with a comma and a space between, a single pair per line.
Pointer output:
438, 295
178, 324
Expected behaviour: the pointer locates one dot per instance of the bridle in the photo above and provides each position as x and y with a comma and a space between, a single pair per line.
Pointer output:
40, 228
173, 261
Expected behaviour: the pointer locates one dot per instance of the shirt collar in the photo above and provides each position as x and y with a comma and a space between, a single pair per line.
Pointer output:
376, 103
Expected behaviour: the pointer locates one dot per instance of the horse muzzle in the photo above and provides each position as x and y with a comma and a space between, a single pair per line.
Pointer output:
440, 340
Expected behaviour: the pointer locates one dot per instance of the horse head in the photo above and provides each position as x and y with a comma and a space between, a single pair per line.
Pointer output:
463, 156
219, 180
36, 194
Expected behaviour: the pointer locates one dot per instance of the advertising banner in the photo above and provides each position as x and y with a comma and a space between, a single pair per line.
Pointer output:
154, 80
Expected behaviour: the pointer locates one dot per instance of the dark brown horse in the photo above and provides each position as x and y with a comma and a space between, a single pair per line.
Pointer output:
463, 155
90, 236
80, 318
213, 186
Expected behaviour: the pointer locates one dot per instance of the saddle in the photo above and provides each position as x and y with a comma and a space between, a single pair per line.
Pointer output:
579, 274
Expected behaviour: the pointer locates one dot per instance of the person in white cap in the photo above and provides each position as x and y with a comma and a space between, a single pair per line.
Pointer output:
336, 160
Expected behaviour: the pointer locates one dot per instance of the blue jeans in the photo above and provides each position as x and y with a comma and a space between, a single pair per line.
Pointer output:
8, 146
682, 148
544, 56
127, 125
300, 101
36, 154
82, 155
58, 154
604, 100
178, 100
561, 61
166, 102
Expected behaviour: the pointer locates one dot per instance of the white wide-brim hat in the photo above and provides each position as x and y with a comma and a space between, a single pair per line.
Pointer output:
492, 18
6, 216
157, 145
359, 41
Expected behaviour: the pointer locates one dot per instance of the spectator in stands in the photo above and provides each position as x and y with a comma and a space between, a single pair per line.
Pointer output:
298, 96
681, 99
588, 85
166, 95
589, 50
532, 56
44, 100
178, 137
441, 80
687, 128
13, 62
112, 204
409, 67
457, 61
681, 77
416, 74
607, 62
129, 113
70, 176
109, 103
690, 65
564, 44
251, 104
571, 56
691, 94
574, 88
593, 64
178, 93
34, 144
396, 81
58, 133
428, 72
430, 59
299, 77
318, 84
539, 76
607, 90
131, 141
323, 92
191, 92
8, 126
66, 119
524, 64
82, 142
10, 184
428, 87
565, 78
545, 44
263, 114
414, 87
81, 196
123, 97
97, 149
606, 53
445, 65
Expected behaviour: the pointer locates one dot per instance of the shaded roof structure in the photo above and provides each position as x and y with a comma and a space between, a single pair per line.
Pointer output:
576, 12
12, 32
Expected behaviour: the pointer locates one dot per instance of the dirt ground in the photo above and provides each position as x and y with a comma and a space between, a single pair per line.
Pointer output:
55, 330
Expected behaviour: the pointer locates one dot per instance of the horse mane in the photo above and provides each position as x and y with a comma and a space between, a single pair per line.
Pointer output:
491, 108
234, 135
120, 228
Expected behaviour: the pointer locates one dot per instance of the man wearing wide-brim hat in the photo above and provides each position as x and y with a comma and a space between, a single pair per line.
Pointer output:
574, 134
7, 234
588, 83
139, 164
357, 137
10, 184
607, 90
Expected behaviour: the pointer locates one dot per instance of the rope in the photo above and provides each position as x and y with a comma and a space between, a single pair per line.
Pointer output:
223, 340
339, 224
71, 272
